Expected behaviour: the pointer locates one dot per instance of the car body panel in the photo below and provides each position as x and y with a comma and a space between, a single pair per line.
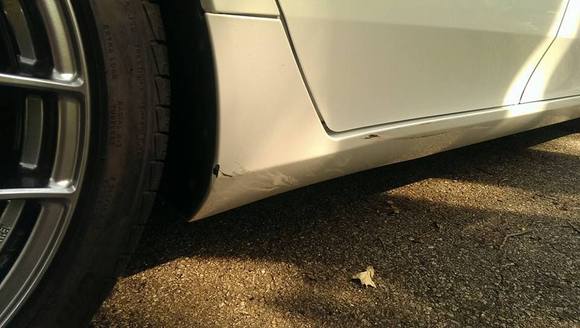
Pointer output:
246, 7
376, 62
271, 140
558, 74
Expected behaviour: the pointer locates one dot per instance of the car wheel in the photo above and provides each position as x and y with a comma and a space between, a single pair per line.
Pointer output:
84, 117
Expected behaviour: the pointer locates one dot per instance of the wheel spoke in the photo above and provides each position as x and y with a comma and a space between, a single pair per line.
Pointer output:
8, 220
33, 132
17, 19
36, 193
28, 264
61, 43
68, 142
45, 112
74, 86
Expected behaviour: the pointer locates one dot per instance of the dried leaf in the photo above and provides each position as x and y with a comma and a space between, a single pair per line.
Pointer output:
366, 277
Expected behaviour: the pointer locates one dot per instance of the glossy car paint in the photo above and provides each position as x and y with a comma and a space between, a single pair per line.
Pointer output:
247, 7
558, 74
270, 136
377, 61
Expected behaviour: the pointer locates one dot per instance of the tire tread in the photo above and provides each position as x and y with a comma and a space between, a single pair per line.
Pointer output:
160, 129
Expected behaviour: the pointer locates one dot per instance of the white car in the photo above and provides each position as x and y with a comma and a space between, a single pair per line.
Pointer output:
264, 96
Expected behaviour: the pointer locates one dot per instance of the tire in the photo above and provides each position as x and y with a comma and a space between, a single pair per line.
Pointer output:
124, 45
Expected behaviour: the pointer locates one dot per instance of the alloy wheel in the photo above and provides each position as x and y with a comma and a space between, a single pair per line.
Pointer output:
44, 139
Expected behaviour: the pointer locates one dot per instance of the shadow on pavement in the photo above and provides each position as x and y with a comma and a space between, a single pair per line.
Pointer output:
474, 236
481, 163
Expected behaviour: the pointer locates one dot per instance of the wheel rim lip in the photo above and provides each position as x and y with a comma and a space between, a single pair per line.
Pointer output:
58, 199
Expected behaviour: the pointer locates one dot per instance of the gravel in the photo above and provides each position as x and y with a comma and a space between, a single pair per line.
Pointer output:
487, 235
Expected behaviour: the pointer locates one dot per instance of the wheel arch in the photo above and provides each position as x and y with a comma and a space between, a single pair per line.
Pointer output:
194, 118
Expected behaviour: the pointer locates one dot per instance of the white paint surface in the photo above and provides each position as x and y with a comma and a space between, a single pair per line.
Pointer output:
271, 139
245, 7
376, 61
558, 75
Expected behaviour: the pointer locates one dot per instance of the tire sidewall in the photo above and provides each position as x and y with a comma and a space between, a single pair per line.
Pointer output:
109, 210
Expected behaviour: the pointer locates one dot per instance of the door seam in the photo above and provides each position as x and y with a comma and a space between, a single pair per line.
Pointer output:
300, 68
545, 52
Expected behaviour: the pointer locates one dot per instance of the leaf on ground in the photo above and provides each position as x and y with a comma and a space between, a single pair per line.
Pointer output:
366, 277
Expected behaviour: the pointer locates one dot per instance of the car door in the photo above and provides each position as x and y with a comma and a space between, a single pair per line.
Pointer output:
558, 74
382, 61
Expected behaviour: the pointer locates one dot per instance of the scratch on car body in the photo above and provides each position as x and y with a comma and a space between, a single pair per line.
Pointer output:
372, 136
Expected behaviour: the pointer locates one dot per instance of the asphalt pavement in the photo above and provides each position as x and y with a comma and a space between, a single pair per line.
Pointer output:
484, 236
